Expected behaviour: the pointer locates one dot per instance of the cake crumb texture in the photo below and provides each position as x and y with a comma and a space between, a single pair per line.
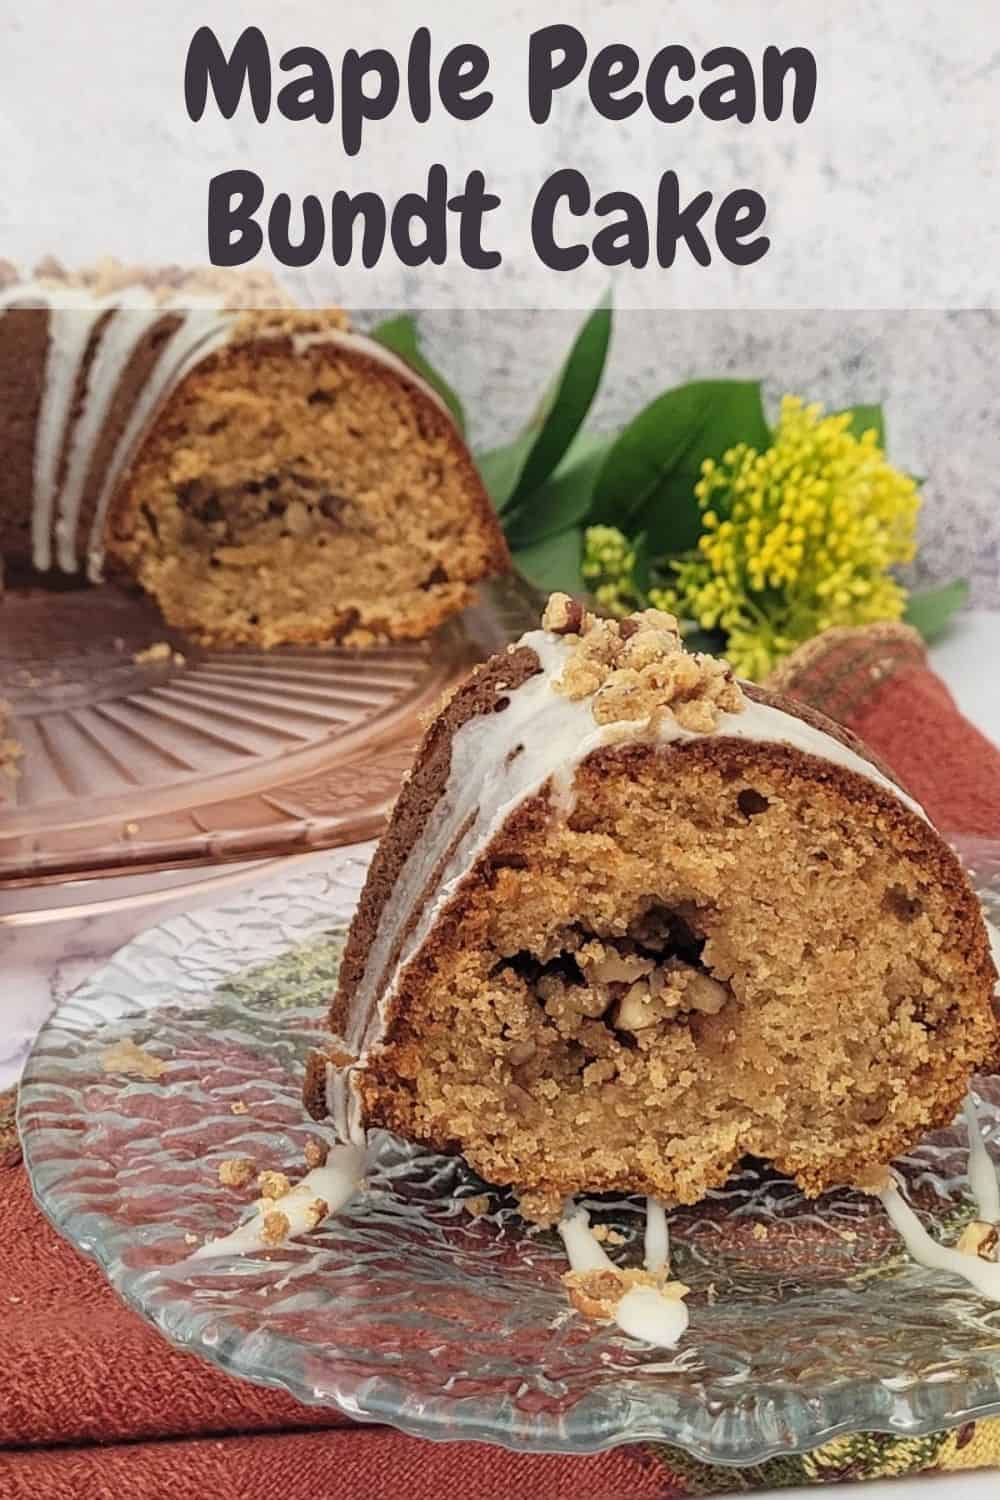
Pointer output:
715, 955
158, 651
304, 497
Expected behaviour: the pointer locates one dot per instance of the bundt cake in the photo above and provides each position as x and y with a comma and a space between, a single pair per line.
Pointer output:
633, 920
265, 474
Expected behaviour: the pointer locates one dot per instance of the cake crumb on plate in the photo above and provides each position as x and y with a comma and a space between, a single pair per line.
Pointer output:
236, 1171
317, 1212
126, 1057
159, 651
979, 1238
315, 1153
273, 1184
275, 1228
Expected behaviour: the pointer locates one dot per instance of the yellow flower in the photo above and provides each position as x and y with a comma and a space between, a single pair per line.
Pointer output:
796, 539
608, 567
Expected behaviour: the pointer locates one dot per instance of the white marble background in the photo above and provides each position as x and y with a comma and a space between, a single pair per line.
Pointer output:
886, 196
936, 372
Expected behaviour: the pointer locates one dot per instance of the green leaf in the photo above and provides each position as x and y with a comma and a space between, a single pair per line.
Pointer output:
565, 498
513, 471
400, 335
929, 610
500, 469
648, 479
567, 401
863, 418
642, 572
555, 562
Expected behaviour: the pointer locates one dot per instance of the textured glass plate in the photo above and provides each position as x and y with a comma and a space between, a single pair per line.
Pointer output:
806, 1318
208, 755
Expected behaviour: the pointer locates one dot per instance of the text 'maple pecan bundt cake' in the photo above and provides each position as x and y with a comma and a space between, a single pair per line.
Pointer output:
632, 921
264, 473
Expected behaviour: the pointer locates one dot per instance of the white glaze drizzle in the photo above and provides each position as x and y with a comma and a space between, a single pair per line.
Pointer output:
71, 321
122, 335
643, 1312
656, 1242
983, 1275
117, 344
497, 761
984, 1183
335, 1183
361, 343
583, 1251
201, 333
73, 313
70, 331
982, 1173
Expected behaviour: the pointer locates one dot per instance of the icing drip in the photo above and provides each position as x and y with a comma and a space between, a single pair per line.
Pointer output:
130, 314
983, 1275
70, 332
116, 347
497, 761
982, 1173
342, 1105
335, 1184
74, 315
643, 1312
201, 333
582, 1250
656, 1247
360, 343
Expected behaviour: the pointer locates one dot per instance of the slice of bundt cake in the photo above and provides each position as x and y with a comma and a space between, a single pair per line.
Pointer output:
264, 473
632, 921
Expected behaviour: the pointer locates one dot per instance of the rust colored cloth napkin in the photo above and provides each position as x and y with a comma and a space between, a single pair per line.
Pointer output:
877, 682
93, 1402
